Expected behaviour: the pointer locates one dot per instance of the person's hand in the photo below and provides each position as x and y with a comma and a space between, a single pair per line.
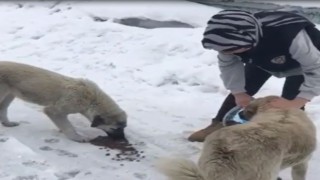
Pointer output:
242, 99
287, 104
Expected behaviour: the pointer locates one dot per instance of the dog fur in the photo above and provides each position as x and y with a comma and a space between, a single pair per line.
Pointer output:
60, 95
273, 139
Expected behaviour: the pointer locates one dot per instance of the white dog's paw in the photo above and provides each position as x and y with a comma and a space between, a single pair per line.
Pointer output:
10, 124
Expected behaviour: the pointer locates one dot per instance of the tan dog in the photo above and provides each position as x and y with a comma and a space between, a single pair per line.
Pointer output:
273, 140
60, 95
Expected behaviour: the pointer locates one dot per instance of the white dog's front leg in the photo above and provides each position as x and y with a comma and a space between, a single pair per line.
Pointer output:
4, 104
62, 122
299, 171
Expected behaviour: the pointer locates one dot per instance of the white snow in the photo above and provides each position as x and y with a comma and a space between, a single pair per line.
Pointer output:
295, 3
168, 84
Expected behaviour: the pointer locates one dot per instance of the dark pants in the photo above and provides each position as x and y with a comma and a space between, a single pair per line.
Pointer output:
255, 79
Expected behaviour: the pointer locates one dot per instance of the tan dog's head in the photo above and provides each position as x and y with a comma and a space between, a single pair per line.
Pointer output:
256, 106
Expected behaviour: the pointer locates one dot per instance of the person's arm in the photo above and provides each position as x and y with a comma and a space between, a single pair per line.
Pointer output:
303, 50
232, 73
233, 77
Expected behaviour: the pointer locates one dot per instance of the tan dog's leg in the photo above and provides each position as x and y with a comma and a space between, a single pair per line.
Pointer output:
299, 171
4, 104
62, 122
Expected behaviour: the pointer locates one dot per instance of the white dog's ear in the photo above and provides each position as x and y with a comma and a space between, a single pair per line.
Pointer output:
97, 120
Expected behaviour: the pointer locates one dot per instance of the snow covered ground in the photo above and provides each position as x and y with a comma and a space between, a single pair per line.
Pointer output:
295, 3
168, 84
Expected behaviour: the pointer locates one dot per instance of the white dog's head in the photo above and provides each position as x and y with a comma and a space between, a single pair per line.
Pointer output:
103, 112
113, 125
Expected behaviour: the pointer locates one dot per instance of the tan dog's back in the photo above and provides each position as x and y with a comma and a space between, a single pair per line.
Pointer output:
295, 128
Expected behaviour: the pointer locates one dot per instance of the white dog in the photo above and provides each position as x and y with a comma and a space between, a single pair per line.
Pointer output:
60, 95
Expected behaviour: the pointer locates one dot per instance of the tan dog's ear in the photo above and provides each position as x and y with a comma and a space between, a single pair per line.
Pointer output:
268, 99
250, 110
249, 113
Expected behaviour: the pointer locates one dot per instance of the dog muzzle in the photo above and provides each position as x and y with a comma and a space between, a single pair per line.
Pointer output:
116, 133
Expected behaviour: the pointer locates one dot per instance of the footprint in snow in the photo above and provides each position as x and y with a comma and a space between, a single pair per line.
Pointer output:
67, 175
35, 164
3, 139
59, 152
46, 148
65, 153
140, 175
51, 141
30, 177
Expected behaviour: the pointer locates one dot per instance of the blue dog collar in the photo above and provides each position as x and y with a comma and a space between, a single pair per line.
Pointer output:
233, 117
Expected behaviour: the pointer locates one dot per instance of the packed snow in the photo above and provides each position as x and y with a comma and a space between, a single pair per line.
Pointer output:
163, 78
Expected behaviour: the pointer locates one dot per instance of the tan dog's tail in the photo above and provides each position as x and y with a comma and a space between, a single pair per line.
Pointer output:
179, 169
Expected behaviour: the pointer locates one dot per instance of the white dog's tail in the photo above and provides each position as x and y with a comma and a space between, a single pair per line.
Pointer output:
179, 169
